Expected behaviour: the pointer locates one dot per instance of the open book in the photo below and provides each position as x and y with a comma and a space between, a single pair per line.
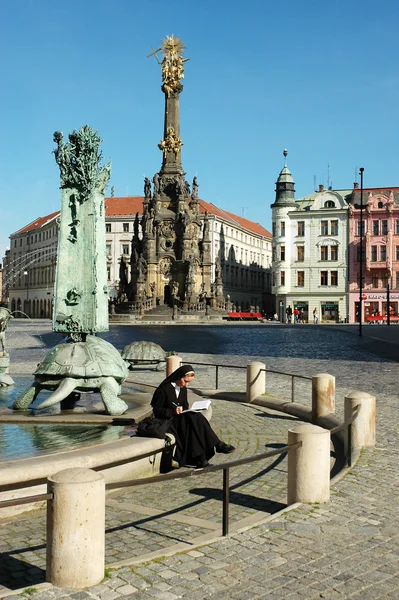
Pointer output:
201, 405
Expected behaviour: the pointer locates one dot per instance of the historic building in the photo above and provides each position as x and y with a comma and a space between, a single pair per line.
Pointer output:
243, 246
380, 267
310, 241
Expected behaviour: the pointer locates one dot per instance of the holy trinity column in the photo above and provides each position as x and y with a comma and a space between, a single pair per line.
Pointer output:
172, 257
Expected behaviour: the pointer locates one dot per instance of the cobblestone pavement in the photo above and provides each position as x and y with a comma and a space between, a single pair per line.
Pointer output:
345, 549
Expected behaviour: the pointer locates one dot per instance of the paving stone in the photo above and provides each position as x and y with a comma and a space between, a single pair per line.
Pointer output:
348, 548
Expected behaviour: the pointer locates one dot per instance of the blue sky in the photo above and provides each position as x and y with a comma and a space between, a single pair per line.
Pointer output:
318, 78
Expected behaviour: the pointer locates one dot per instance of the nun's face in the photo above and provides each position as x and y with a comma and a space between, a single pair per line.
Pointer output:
184, 381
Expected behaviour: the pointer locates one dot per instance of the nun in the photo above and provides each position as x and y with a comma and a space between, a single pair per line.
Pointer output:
196, 442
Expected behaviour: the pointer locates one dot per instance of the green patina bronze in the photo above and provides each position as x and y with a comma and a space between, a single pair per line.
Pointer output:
83, 363
81, 291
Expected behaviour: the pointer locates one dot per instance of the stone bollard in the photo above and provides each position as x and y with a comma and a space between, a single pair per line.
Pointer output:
76, 529
363, 427
309, 465
172, 363
256, 380
323, 395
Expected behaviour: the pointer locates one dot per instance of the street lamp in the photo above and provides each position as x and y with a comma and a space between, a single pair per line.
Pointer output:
361, 252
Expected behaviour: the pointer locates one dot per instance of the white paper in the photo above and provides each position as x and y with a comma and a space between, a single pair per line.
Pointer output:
201, 405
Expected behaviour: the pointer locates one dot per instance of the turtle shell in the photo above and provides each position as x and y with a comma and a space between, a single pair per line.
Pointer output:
145, 352
93, 358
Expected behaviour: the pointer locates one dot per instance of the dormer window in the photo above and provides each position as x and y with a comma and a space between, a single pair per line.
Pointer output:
329, 204
380, 205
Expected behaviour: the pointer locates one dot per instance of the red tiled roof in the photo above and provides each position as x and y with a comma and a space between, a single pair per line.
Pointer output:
130, 205
234, 219
38, 223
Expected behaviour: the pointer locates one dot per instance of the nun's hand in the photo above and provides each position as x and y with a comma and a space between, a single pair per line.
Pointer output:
178, 410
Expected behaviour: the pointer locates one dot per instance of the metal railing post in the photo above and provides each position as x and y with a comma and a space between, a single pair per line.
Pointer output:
217, 377
292, 388
226, 490
349, 449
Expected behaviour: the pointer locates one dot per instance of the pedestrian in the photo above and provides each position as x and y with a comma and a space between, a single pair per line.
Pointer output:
296, 315
289, 314
315, 316
301, 316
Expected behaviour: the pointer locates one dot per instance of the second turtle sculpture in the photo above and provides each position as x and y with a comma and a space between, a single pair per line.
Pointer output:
145, 353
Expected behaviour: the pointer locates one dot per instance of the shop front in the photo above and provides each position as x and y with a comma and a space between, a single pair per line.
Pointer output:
329, 312
303, 310
375, 307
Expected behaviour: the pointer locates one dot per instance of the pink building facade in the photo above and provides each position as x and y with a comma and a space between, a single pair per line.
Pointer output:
380, 254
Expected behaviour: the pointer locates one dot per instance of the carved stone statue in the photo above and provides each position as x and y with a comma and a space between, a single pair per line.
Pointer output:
175, 288
147, 187
157, 184
194, 193
149, 224
123, 281
218, 269
141, 267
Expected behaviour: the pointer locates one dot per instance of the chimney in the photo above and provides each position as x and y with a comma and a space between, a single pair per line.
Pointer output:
355, 186
321, 187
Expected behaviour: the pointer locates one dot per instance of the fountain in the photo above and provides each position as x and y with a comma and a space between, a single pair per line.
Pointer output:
83, 362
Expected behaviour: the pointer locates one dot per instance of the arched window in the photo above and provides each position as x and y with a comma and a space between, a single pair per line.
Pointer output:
380, 205
329, 204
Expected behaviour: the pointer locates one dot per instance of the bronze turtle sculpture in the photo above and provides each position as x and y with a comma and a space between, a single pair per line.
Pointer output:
145, 353
93, 365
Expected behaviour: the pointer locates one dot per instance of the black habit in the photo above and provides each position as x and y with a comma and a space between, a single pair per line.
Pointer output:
195, 438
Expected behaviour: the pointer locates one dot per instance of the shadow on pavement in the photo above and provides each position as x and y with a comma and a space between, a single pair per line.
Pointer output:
16, 573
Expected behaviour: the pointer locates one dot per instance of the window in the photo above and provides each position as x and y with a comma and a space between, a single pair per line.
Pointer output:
358, 280
397, 252
380, 205
20, 241
109, 250
334, 277
334, 253
358, 253
374, 280
384, 228
360, 231
300, 278
300, 253
108, 227
108, 273
397, 227
282, 252
323, 277
384, 279
125, 227
324, 228
383, 253
373, 253
329, 204
125, 249
334, 227
282, 229
301, 228
324, 253
376, 227
397, 280
282, 278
